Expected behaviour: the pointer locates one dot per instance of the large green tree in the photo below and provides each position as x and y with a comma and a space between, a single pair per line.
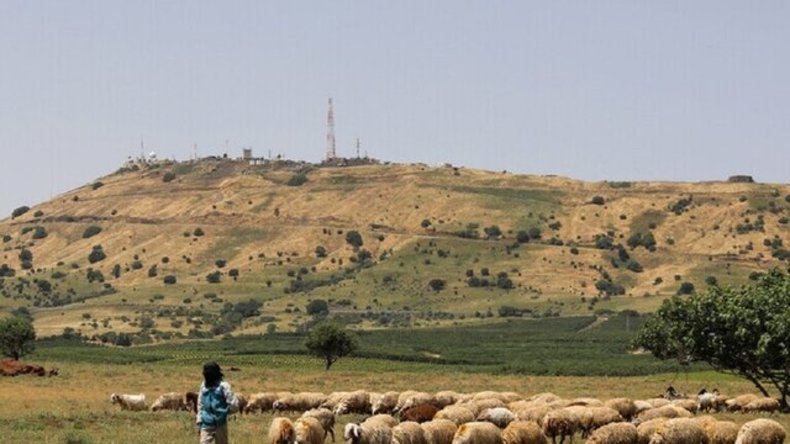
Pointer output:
16, 336
740, 330
330, 342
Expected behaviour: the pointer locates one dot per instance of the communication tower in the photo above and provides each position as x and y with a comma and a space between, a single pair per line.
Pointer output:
330, 133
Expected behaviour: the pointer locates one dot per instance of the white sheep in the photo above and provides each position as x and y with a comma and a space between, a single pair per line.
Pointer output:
737, 403
764, 405
499, 416
721, 432
411, 398
387, 420
299, 402
523, 432
761, 431
439, 431
666, 411
262, 402
333, 399
383, 402
709, 401
281, 431
325, 417
308, 430
615, 433
354, 402
444, 398
646, 429
477, 433
624, 406
479, 405
408, 432
560, 422
368, 432
535, 413
456, 413
129, 402
169, 401
679, 431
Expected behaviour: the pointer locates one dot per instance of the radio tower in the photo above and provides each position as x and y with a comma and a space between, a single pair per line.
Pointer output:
330, 133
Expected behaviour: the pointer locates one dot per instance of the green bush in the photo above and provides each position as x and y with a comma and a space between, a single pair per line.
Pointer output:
493, 231
91, 231
436, 284
712, 281
317, 307
598, 200
425, 223
198, 232
169, 279
39, 233
96, 185
686, 288
220, 263
153, 271
534, 233
297, 179
96, 254
19, 211
320, 251
354, 239
522, 237
214, 277
169, 177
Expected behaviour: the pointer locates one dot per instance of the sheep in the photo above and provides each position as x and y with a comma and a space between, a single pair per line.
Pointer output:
419, 413
129, 402
584, 418
169, 401
766, 405
368, 432
333, 399
353, 402
485, 395
387, 420
243, 401
456, 413
535, 413
408, 432
481, 404
299, 402
383, 402
411, 398
262, 402
520, 404
444, 398
707, 401
281, 431
688, 404
667, 411
679, 431
499, 416
721, 432
737, 403
658, 402
602, 416
646, 429
523, 432
761, 431
588, 402
191, 399
545, 398
560, 422
641, 406
624, 406
308, 430
439, 431
615, 433
477, 433
325, 417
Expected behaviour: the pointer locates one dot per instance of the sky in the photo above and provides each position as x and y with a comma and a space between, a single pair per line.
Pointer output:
595, 90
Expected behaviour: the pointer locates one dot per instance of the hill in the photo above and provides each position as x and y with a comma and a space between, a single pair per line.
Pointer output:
178, 249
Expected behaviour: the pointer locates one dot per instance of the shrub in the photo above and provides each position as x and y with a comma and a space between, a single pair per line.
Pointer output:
96, 254
680, 206
25, 255
169, 177
96, 185
136, 265
354, 239
686, 288
555, 225
436, 284
297, 179
213, 278
19, 211
598, 200
609, 288
504, 282
153, 271
169, 279
220, 263
198, 232
634, 266
233, 272
317, 307
116, 271
712, 281
425, 223
492, 232
38, 213
645, 240
320, 251
522, 237
39, 233
534, 233
91, 231
94, 275
574, 250
7, 238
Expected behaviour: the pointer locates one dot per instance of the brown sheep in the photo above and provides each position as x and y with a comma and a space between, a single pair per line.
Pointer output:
169, 401
646, 429
326, 418
308, 430
191, 399
281, 431
765, 405
419, 413
624, 406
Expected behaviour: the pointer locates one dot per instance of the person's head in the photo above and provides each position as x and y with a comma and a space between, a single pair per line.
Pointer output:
212, 374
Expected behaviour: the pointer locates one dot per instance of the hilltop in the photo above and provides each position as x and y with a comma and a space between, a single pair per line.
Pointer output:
179, 247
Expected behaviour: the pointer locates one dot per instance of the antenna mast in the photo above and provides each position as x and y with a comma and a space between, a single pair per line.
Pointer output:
357, 147
330, 133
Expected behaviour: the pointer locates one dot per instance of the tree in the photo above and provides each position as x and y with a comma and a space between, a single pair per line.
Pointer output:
739, 330
330, 342
16, 337
354, 238
96, 254
437, 284
19, 211
317, 307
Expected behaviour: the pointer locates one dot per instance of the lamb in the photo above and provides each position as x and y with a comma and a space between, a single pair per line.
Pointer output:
419, 413
523, 432
281, 431
383, 402
477, 433
646, 429
129, 402
766, 405
368, 432
679, 431
615, 433
325, 417
624, 406
439, 431
353, 402
721, 432
299, 402
169, 401
408, 432
707, 401
737, 403
761, 431
308, 430
499, 416
262, 402
455, 413
560, 422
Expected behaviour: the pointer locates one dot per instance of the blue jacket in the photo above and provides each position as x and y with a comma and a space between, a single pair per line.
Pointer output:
214, 405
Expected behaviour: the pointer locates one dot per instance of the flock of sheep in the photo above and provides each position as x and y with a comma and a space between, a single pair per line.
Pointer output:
447, 417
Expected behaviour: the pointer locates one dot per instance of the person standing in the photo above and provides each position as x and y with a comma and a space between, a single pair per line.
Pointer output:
216, 401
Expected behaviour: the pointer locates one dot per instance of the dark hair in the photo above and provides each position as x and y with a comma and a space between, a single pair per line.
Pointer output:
212, 374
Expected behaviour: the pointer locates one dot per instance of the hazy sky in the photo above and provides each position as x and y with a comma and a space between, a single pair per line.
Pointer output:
675, 90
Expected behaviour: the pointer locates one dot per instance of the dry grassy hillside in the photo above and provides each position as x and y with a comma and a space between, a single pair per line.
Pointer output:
259, 232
